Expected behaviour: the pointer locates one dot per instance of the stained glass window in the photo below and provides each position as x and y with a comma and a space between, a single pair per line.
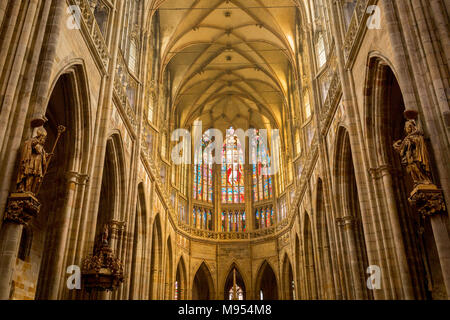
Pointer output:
232, 169
203, 173
224, 223
234, 221
262, 180
264, 217
202, 219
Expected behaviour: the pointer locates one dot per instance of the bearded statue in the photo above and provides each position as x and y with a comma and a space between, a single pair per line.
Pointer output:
414, 154
33, 163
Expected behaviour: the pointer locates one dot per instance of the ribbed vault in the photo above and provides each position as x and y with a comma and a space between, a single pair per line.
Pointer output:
229, 61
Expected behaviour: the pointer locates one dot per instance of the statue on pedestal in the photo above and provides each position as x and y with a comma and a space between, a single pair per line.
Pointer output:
426, 196
414, 154
33, 161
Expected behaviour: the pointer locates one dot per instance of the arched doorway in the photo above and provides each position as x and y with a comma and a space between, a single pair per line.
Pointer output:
111, 206
203, 287
234, 285
68, 105
289, 285
156, 259
310, 267
353, 245
324, 252
266, 283
168, 295
416, 246
137, 277
181, 281
300, 293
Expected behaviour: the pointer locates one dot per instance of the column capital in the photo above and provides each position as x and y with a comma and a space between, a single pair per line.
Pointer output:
77, 178
347, 221
116, 227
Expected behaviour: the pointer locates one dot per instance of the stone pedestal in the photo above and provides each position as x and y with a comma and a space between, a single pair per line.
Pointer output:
429, 201
21, 208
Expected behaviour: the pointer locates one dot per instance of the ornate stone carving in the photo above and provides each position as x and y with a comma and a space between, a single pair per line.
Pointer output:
414, 154
115, 228
429, 201
102, 271
21, 208
426, 197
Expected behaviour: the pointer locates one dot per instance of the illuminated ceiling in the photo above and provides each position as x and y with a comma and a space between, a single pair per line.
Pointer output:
229, 60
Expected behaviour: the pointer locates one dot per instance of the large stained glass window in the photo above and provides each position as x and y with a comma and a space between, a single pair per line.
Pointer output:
232, 169
234, 221
203, 172
262, 179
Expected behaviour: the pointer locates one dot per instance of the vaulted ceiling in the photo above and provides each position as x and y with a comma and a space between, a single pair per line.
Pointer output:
229, 60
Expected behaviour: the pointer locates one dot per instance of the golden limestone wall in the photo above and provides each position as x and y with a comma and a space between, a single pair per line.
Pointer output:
348, 209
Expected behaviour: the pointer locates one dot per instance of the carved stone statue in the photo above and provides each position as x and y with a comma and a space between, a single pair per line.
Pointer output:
414, 154
33, 163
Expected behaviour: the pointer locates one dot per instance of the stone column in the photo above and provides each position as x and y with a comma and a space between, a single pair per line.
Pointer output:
347, 223
250, 223
429, 201
56, 271
217, 197
21, 208
385, 173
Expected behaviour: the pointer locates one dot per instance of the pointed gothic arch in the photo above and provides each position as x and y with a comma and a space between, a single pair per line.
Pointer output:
350, 220
203, 285
156, 259
310, 259
298, 268
181, 283
113, 187
240, 282
421, 274
68, 105
266, 283
169, 282
323, 246
139, 250
289, 284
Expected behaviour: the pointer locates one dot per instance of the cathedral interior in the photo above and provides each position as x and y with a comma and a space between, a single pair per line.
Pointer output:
224, 150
